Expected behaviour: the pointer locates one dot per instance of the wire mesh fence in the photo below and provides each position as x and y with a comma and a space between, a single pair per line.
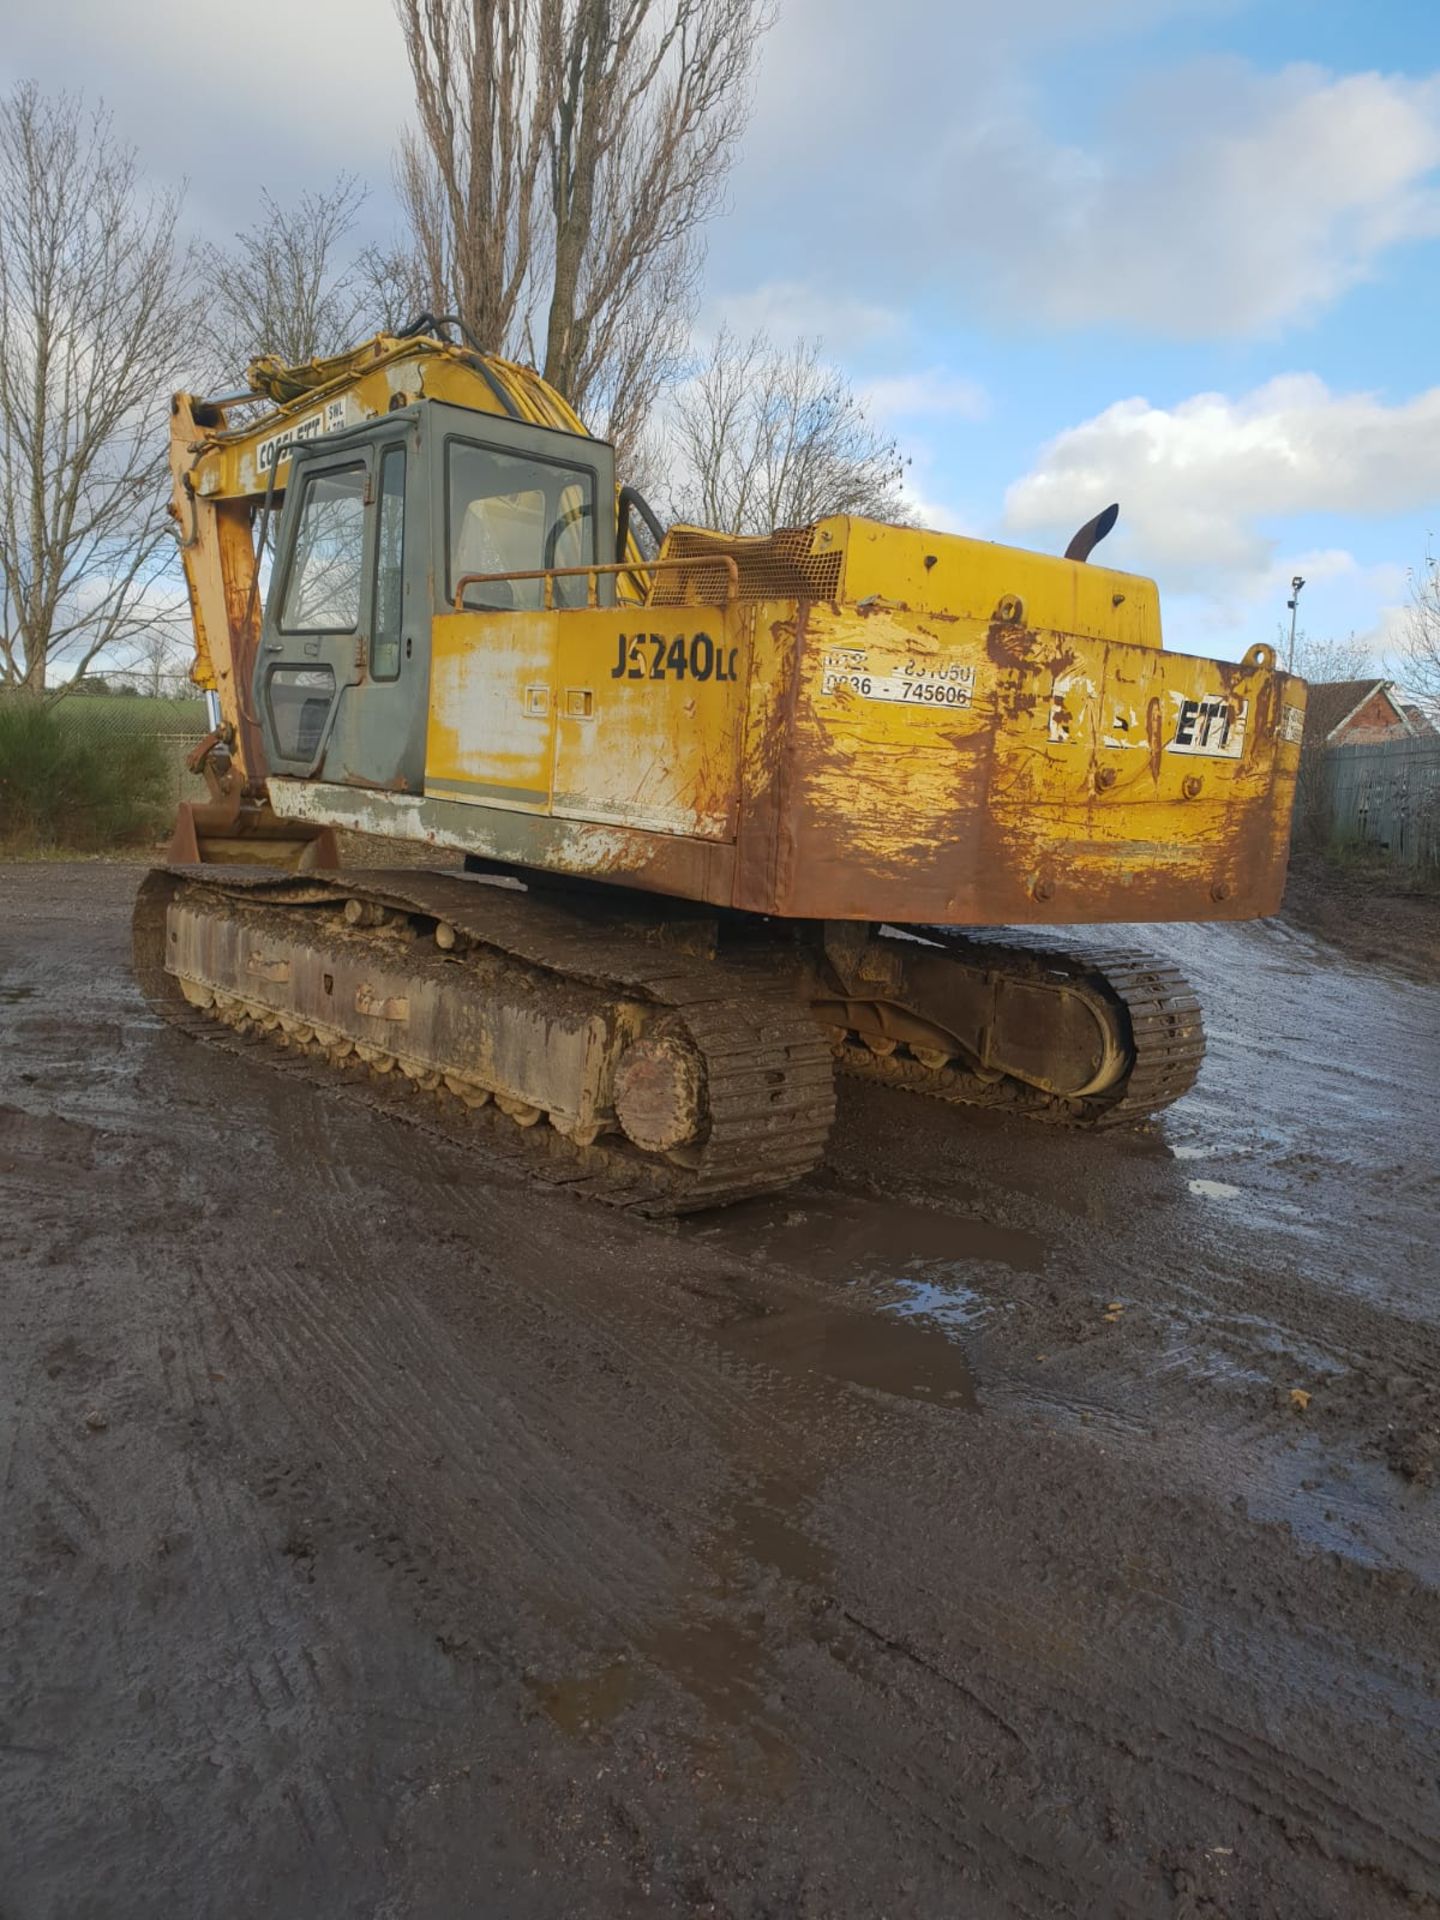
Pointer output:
175, 722
95, 769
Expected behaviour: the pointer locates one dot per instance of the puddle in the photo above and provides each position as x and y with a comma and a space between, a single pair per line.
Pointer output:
1199, 1150
1213, 1189
846, 1237
588, 1701
762, 1530
719, 1647
725, 1666
717, 1660
882, 1352
942, 1302
720, 1662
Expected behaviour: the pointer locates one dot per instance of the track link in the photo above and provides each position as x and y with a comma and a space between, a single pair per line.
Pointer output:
768, 1077
1160, 1015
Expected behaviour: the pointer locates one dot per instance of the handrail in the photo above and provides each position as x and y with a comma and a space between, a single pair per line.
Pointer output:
592, 573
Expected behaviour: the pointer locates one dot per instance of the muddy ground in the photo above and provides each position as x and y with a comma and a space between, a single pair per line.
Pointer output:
1377, 911
385, 1536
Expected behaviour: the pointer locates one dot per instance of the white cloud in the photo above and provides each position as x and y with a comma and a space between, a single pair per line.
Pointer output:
231, 98
1199, 482
1214, 200
936, 516
791, 310
1220, 201
923, 396
1348, 621
846, 79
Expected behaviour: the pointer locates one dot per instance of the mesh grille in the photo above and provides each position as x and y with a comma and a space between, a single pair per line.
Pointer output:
779, 566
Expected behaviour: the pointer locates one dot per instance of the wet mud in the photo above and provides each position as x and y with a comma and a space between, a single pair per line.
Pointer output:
1004, 1522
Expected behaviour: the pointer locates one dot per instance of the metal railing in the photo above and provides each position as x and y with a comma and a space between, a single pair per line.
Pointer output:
592, 578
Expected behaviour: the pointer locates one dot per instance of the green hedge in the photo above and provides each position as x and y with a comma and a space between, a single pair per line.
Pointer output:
68, 780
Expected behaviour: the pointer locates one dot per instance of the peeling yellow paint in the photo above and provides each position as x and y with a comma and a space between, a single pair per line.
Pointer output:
880, 759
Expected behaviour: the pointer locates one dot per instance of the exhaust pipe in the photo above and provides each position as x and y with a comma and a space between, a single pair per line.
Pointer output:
1092, 533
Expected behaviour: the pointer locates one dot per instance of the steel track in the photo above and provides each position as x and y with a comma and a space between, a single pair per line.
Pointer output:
769, 1079
1161, 1022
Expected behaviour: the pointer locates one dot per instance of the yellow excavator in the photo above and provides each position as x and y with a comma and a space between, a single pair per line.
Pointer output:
722, 802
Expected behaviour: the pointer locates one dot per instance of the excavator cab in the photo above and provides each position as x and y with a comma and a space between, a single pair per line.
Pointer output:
379, 525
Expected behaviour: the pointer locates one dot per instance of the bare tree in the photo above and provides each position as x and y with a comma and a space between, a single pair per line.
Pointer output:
469, 178
395, 286
288, 286
640, 350
1419, 662
1318, 660
763, 437
568, 153
161, 663
98, 314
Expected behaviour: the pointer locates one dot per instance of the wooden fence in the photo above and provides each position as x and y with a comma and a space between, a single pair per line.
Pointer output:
1387, 795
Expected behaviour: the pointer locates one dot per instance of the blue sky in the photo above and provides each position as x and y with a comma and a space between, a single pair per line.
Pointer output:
1082, 237
1182, 253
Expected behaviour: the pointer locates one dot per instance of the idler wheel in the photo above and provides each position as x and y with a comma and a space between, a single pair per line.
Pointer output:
659, 1093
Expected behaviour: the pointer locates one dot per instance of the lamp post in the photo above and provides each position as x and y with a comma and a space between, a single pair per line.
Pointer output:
1293, 602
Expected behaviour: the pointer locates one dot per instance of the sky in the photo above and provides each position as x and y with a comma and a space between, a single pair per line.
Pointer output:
1183, 254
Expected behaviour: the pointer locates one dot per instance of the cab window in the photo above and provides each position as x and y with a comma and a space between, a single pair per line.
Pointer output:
322, 594
389, 567
299, 700
513, 513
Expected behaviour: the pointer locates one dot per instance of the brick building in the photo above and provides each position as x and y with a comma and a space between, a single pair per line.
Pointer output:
1352, 712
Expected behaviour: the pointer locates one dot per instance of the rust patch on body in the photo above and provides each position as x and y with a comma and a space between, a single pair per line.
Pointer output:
1008, 645
1155, 735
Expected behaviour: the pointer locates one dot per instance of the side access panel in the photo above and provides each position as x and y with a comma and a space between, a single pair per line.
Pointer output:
625, 716
491, 734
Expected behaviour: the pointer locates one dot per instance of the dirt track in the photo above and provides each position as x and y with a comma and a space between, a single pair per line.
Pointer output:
384, 1536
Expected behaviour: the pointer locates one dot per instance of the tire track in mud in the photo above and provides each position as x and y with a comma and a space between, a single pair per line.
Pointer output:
249, 1582
388, 1323
888, 1655
736, 1402
1417, 1862
608, 1604
1421, 1858
1154, 1735
735, 1397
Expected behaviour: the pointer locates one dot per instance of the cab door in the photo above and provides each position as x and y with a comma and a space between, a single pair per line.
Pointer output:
379, 733
342, 673
312, 646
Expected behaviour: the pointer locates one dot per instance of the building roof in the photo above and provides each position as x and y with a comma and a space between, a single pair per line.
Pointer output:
1331, 703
